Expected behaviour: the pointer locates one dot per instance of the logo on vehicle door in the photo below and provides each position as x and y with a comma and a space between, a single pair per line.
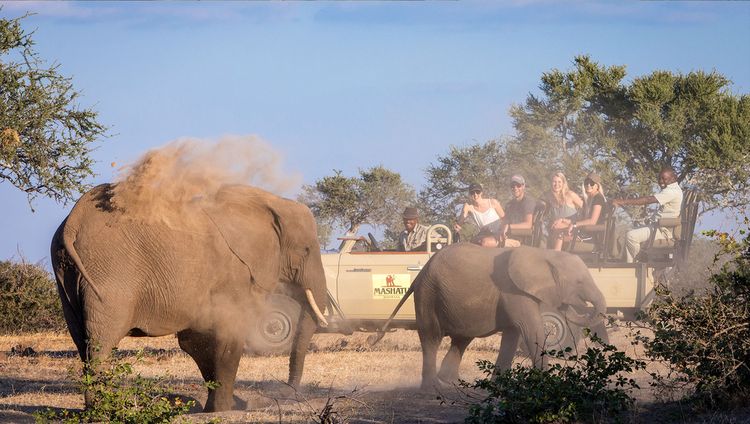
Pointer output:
389, 286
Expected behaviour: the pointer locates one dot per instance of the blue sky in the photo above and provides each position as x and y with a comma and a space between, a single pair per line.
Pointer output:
342, 85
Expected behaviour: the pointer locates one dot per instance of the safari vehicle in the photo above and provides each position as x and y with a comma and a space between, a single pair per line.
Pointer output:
365, 283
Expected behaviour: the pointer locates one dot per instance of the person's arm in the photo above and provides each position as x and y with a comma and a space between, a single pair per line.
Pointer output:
577, 201
461, 218
498, 208
596, 210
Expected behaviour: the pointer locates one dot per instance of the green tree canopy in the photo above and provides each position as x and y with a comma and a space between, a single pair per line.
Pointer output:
375, 197
45, 138
448, 178
590, 118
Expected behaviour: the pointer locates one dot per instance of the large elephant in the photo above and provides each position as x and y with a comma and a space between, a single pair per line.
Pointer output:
467, 291
201, 275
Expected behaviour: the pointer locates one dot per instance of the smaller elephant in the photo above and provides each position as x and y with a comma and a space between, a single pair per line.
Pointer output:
467, 291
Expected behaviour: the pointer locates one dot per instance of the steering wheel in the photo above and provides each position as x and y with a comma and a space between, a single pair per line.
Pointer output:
373, 243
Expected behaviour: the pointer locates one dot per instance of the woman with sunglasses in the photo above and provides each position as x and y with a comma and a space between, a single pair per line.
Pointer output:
486, 213
564, 206
593, 205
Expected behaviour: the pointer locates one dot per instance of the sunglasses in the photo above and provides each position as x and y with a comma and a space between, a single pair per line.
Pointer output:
589, 183
475, 192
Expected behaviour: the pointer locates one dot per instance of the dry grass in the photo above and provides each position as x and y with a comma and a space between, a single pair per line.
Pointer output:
364, 384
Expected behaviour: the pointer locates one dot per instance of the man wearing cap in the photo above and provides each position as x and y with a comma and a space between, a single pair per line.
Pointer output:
669, 199
414, 236
519, 211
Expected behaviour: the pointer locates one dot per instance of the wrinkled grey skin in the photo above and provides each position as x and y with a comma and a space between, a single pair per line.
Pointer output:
467, 291
120, 276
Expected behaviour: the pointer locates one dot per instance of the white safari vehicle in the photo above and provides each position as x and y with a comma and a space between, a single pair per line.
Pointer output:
366, 283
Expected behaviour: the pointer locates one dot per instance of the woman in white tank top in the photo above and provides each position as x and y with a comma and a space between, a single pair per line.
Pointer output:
486, 213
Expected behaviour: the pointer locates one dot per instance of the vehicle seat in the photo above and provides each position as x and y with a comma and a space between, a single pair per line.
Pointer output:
674, 250
595, 250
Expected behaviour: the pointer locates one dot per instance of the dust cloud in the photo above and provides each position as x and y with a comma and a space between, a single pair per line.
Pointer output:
165, 183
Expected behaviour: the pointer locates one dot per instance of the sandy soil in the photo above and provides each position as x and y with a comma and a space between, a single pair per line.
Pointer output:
364, 384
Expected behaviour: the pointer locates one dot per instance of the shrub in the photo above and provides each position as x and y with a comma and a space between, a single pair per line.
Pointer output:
28, 299
118, 398
586, 388
704, 336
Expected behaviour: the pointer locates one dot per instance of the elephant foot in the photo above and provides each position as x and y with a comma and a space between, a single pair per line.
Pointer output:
433, 384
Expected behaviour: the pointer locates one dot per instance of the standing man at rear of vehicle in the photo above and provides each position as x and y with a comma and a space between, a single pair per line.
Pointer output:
519, 211
414, 236
669, 199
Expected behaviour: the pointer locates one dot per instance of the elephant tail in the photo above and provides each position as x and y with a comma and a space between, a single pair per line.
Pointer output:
69, 272
374, 338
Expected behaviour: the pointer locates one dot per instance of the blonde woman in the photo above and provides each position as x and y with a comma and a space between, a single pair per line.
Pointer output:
486, 213
564, 205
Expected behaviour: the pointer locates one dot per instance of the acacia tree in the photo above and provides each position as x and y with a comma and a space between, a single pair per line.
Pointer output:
45, 138
375, 197
451, 175
589, 118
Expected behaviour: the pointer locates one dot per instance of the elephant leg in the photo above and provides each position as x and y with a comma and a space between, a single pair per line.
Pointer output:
452, 360
218, 359
532, 332
430, 343
526, 319
508, 347
306, 330
100, 340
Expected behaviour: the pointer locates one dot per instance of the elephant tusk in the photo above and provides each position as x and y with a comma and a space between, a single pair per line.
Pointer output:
311, 300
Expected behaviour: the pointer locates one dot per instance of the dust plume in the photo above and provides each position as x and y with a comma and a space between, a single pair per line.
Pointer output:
164, 183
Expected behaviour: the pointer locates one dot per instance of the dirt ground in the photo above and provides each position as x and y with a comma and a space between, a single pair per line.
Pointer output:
362, 384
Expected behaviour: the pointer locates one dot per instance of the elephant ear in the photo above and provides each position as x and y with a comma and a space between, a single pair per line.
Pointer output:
534, 273
247, 224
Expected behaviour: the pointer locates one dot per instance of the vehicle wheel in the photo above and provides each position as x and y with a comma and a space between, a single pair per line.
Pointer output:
273, 332
555, 330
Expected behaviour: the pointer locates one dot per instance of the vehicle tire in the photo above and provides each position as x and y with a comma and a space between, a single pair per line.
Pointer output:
558, 331
273, 332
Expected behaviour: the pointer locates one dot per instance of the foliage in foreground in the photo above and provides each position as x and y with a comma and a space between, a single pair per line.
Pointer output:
28, 299
121, 399
704, 336
586, 388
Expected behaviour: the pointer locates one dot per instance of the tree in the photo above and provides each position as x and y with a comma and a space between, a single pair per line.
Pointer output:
45, 138
589, 118
449, 178
376, 197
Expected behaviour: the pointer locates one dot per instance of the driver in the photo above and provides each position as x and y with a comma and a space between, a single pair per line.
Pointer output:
414, 236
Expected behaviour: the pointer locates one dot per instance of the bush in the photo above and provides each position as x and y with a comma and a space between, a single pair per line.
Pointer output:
704, 336
587, 388
120, 399
28, 299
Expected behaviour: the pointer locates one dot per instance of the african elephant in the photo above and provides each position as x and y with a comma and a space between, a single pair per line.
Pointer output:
467, 291
199, 276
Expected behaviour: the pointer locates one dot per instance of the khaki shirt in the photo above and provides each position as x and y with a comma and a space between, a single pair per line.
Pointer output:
670, 201
409, 241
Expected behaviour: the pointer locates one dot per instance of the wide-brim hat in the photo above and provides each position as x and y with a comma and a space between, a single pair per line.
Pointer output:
410, 213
